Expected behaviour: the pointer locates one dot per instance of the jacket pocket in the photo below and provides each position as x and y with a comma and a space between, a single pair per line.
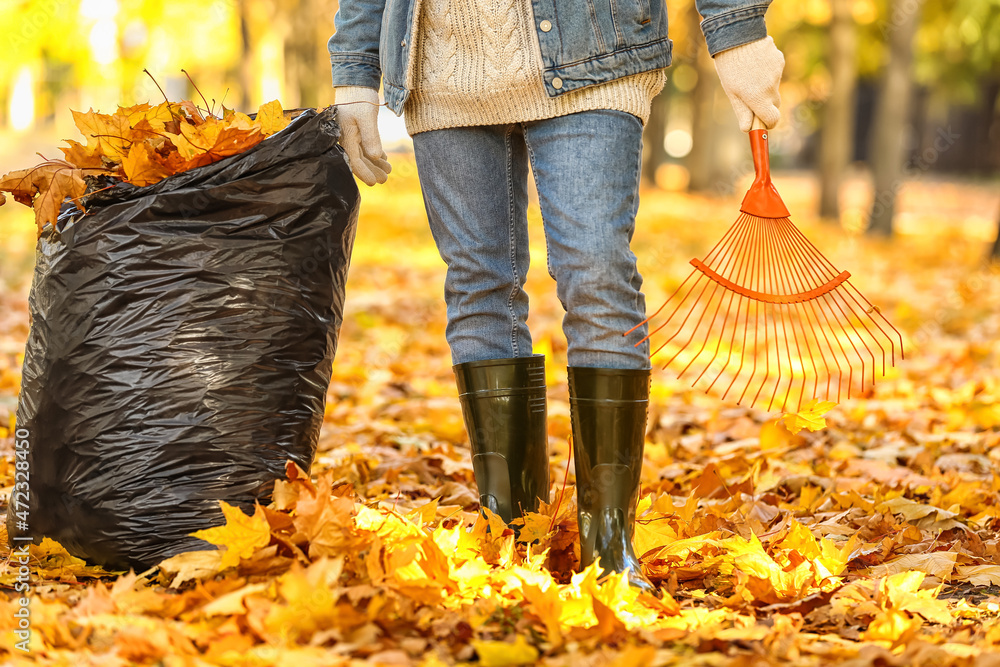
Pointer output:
595, 24
644, 17
631, 19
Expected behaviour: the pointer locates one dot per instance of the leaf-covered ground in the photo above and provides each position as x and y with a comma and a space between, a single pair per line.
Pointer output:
874, 541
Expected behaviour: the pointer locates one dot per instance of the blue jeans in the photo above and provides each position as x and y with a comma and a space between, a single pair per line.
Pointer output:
586, 167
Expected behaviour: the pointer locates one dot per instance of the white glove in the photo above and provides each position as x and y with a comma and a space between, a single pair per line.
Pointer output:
357, 111
750, 75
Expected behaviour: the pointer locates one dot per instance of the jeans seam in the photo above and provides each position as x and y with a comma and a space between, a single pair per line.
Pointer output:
634, 215
512, 241
545, 229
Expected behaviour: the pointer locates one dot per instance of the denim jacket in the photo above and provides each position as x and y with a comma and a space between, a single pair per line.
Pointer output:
583, 42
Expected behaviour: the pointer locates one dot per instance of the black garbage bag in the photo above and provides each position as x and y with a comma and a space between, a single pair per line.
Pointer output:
181, 346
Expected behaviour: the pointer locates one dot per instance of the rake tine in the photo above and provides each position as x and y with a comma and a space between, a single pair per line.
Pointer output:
729, 259
801, 285
728, 235
813, 250
758, 286
813, 272
788, 288
738, 272
784, 333
765, 263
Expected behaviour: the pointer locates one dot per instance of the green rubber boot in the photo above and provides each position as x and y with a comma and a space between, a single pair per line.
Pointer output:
608, 409
503, 402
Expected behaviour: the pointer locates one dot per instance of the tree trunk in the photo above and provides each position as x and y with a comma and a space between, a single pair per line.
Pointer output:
246, 77
889, 131
701, 159
654, 152
837, 137
995, 134
304, 55
995, 250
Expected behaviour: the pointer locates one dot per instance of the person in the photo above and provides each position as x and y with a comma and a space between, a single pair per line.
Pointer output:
487, 87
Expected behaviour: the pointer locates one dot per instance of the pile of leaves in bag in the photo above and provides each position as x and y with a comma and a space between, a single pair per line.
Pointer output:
140, 144
187, 297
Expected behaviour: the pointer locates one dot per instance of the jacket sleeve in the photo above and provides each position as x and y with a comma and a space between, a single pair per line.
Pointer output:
731, 23
354, 46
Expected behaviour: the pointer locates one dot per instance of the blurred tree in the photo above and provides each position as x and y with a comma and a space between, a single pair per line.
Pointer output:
836, 136
701, 161
304, 51
995, 250
892, 113
653, 136
246, 74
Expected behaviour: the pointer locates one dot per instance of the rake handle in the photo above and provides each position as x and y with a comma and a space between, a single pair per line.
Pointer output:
762, 200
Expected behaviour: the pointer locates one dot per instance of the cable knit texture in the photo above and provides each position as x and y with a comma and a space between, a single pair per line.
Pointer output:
477, 62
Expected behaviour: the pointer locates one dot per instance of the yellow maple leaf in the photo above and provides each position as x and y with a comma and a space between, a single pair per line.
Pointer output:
810, 416
424, 514
242, 535
504, 654
545, 604
157, 117
270, 118
892, 626
52, 561
535, 528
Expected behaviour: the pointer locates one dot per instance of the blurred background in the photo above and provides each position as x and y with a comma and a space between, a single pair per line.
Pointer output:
876, 94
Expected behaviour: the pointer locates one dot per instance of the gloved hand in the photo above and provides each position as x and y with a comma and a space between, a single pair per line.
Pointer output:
357, 110
750, 75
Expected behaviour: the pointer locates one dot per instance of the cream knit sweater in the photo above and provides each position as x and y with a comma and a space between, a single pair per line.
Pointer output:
477, 62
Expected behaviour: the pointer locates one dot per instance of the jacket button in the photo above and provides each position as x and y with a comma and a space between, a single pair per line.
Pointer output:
545, 26
557, 83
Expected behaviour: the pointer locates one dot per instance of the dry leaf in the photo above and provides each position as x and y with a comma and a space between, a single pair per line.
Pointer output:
505, 654
270, 118
45, 187
939, 563
810, 416
142, 144
241, 536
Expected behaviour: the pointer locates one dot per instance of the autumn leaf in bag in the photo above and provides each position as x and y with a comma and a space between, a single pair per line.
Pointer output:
141, 145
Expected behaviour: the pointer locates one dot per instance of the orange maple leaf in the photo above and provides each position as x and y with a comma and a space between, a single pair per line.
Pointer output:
82, 156
109, 135
211, 141
143, 166
44, 187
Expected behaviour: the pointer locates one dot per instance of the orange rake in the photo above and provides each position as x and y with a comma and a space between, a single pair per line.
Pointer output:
766, 301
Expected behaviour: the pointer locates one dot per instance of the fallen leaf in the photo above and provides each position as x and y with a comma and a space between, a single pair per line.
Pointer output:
810, 416
921, 515
241, 536
939, 564
191, 566
978, 575
505, 654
